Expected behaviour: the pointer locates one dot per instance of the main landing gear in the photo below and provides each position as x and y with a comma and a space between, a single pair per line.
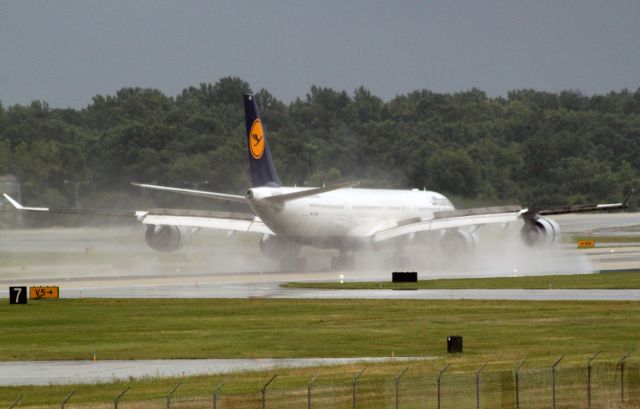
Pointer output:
294, 264
285, 251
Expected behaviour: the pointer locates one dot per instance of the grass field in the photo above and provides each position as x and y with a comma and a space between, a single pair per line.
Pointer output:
607, 280
260, 328
502, 332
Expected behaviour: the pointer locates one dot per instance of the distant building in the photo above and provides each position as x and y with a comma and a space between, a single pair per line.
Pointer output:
10, 185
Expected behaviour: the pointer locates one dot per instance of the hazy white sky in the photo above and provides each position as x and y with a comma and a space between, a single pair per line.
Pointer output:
65, 52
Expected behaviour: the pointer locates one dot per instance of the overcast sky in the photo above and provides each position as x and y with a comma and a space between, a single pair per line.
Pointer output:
65, 52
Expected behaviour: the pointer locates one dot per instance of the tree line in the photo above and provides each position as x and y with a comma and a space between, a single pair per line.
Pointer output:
530, 147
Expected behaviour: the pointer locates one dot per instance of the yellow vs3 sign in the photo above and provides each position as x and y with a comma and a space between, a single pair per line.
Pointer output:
44, 292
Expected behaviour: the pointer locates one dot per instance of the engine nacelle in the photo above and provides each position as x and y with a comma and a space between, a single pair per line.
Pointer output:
166, 238
458, 242
540, 232
276, 247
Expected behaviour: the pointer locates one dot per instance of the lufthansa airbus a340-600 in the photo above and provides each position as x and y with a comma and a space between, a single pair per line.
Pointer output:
340, 216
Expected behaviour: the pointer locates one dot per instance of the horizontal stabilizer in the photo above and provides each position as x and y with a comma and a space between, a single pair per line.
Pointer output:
310, 192
198, 193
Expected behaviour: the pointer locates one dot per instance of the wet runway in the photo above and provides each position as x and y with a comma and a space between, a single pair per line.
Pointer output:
115, 262
267, 285
598, 223
273, 290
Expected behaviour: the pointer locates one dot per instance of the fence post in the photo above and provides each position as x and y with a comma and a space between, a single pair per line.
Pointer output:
15, 402
309, 386
354, 383
444, 368
264, 391
171, 394
624, 358
398, 387
589, 378
214, 396
517, 374
553, 380
67, 399
116, 401
478, 384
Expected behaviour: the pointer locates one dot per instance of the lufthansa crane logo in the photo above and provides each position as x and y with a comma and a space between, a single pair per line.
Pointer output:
256, 139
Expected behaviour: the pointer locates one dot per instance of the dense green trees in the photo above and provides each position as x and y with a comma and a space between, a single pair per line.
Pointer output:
531, 147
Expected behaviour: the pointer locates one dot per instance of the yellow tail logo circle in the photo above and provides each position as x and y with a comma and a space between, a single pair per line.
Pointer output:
256, 139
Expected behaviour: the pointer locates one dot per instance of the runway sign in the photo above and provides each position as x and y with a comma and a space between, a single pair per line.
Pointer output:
17, 295
44, 292
586, 244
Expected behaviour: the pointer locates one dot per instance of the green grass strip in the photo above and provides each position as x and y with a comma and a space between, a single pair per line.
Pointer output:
502, 332
265, 328
606, 280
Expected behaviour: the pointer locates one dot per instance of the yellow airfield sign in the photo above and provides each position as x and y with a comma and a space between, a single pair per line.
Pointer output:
586, 244
44, 292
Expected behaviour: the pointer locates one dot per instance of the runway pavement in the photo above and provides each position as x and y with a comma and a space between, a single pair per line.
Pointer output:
273, 290
74, 372
115, 262
266, 284
610, 223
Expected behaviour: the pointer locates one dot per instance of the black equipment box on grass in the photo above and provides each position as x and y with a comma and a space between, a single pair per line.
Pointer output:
454, 344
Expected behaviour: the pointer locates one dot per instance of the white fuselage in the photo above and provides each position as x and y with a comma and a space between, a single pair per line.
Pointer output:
342, 214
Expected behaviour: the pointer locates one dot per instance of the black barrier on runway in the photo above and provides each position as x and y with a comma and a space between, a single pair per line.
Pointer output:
404, 277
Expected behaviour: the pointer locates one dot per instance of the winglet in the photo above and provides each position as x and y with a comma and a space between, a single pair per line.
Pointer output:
139, 214
13, 202
18, 206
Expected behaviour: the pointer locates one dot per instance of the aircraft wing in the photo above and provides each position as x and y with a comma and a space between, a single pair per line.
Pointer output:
229, 221
450, 219
546, 211
485, 215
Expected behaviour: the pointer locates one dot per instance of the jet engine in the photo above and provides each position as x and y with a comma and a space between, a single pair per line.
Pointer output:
276, 247
458, 242
539, 232
167, 238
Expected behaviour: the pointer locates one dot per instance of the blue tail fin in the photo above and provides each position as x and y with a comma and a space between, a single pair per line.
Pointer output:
263, 172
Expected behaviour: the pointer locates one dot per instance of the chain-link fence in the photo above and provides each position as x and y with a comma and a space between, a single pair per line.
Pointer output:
592, 385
